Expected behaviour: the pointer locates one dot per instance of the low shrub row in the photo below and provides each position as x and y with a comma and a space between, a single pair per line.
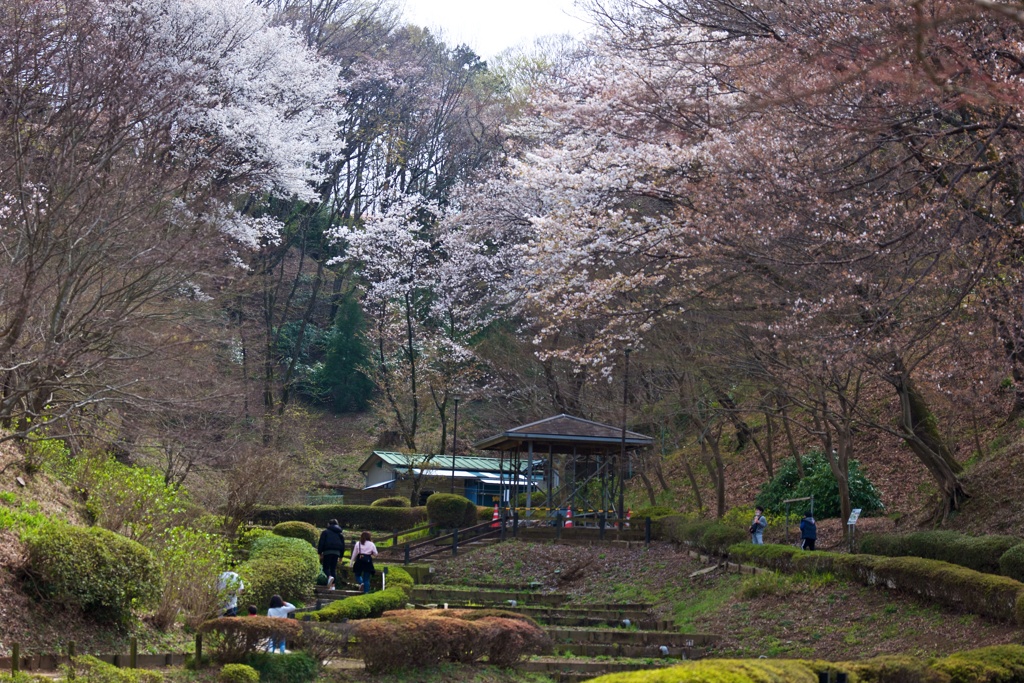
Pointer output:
98, 571
394, 597
997, 664
939, 582
980, 553
395, 642
362, 517
708, 535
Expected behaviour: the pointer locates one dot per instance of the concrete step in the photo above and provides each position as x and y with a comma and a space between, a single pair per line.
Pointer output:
435, 593
623, 650
621, 636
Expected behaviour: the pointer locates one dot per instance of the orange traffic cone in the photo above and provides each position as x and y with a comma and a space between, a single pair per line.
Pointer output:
495, 518
629, 515
568, 518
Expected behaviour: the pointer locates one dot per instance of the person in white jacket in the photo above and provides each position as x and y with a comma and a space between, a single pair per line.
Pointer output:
280, 609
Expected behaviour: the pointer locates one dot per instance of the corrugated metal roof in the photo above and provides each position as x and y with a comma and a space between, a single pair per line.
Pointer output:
462, 462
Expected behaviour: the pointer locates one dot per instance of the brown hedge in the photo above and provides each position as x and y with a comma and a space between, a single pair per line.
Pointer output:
424, 639
238, 636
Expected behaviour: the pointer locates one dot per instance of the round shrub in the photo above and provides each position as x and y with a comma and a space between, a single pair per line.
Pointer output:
238, 673
1011, 563
484, 512
96, 570
449, 511
296, 667
303, 530
392, 502
288, 567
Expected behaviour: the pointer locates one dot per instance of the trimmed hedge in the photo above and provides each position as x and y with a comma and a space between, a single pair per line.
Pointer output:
1011, 564
364, 517
708, 535
303, 530
980, 553
394, 642
998, 664
278, 565
391, 502
295, 667
91, 670
394, 597
239, 636
238, 673
95, 570
448, 511
939, 582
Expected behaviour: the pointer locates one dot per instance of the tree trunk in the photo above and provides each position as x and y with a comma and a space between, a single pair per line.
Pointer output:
921, 433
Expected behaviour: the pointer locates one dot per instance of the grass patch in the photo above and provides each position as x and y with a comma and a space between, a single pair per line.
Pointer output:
708, 601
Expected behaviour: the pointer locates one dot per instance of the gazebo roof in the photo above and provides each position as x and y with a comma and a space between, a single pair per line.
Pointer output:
564, 434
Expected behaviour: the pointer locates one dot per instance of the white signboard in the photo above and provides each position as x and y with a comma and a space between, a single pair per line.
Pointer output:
854, 516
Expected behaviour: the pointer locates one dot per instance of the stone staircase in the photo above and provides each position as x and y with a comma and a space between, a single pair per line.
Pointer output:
621, 636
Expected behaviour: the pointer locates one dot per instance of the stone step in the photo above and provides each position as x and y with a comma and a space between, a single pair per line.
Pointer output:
435, 593
621, 636
624, 650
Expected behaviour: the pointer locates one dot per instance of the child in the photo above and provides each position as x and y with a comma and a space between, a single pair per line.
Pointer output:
279, 609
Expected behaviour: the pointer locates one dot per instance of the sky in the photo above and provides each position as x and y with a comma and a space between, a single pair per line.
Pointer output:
490, 26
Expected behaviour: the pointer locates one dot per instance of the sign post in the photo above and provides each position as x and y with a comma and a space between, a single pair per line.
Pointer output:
852, 525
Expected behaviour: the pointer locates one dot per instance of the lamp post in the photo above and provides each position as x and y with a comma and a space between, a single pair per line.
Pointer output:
455, 440
622, 450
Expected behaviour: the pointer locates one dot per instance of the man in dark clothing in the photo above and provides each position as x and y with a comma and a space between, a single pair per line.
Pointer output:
808, 532
331, 547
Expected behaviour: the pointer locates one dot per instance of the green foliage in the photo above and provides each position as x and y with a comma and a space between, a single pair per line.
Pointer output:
705, 534
23, 677
896, 669
820, 483
655, 512
51, 456
238, 673
449, 511
296, 667
279, 565
132, 501
980, 553
91, 670
303, 530
92, 569
18, 514
1011, 563
765, 584
391, 502
349, 516
339, 380
191, 562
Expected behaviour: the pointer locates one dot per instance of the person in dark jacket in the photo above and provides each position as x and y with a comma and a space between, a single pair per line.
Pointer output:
331, 547
808, 532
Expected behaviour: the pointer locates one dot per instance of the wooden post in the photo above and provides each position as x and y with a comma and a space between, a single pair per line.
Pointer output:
133, 653
71, 649
15, 658
199, 651
455, 542
647, 530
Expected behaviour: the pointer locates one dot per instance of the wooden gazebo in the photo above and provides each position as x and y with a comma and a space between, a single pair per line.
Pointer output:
590, 460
